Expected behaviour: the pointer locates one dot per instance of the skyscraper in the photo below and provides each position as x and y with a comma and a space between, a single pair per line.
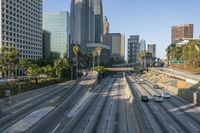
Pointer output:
21, 26
117, 43
57, 23
82, 23
98, 14
86, 22
142, 45
133, 49
152, 49
106, 25
46, 45
181, 32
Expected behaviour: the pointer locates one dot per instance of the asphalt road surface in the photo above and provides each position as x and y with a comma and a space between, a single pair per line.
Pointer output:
113, 105
174, 115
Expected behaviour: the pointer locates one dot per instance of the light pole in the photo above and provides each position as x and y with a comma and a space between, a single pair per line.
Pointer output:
72, 72
99, 50
76, 50
94, 53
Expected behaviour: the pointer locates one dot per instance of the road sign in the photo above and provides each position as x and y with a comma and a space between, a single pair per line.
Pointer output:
177, 61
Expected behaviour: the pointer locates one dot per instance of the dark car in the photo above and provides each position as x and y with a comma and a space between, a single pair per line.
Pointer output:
144, 98
156, 87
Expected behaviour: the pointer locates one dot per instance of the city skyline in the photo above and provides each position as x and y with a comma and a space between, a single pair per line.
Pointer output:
134, 16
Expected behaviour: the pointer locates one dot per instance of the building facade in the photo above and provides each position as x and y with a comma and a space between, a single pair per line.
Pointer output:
133, 49
106, 25
181, 32
82, 24
152, 49
21, 27
142, 45
105, 52
86, 23
57, 23
117, 43
46, 45
98, 14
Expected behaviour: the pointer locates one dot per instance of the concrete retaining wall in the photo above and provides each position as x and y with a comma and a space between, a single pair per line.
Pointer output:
196, 98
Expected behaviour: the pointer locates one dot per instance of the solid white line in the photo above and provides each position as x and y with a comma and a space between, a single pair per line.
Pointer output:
82, 102
21, 108
53, 100
174, 128
18, 104
168, 105
193, 126
155, 107
5, 117
56, 128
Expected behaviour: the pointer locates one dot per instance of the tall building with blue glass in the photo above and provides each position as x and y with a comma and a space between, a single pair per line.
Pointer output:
57, 23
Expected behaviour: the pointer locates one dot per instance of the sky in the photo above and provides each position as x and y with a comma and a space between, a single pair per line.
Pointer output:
151, 19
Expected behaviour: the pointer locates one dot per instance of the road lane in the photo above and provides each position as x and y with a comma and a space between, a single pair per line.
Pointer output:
109, 112
57, 119
178, 117
162, 118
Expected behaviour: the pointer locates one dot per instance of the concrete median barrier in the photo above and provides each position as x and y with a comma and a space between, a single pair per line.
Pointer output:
143, 122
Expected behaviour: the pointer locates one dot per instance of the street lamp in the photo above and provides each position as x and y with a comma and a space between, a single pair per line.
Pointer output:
99, 50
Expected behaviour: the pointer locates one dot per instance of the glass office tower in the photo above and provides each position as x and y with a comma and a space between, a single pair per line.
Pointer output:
57, 23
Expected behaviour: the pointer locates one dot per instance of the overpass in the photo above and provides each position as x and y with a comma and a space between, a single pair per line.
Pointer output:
127, 65
123, 69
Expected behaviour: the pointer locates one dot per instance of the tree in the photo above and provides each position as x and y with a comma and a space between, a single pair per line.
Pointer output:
24, 64
169, 51
49, 71
99, 50
33, 70
9, 58
76, 50
191, 54
61, 65
142, 57
94, 54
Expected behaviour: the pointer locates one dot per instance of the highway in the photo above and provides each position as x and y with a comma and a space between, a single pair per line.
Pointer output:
41, 102
107, 112
30, 102
104, 108
112, 105
174, 115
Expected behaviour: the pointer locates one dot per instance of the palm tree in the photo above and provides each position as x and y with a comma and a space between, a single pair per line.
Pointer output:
142, 57
99, 50
76, 50
60, 65
94, 54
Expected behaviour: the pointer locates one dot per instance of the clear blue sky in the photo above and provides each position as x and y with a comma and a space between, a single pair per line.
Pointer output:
151, 19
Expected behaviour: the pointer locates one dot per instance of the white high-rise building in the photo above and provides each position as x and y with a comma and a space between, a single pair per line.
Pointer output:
142, 45
21, 26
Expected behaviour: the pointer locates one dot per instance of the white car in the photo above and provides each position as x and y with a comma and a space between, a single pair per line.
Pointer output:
158, 98
166, 95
